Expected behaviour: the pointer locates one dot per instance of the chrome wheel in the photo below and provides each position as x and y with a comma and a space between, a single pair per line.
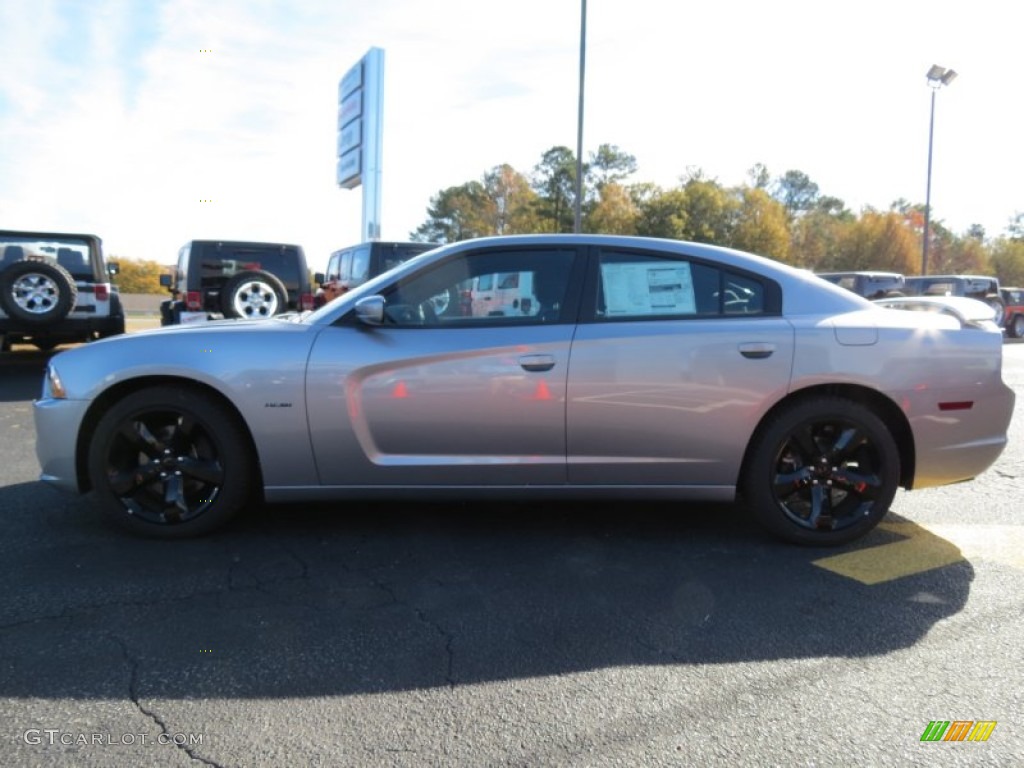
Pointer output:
35, 293
255, 299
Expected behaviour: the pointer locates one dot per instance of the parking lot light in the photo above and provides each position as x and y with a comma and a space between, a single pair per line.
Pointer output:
937, 77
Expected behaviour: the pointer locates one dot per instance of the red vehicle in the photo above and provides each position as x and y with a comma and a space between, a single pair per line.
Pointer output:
1013, 318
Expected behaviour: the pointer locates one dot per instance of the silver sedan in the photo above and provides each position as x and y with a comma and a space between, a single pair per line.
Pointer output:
538, 367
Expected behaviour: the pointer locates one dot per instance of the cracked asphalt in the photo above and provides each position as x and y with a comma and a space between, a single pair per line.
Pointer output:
494, 634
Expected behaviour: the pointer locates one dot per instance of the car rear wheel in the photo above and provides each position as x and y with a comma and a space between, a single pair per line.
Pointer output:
37, 292
170, 462
253, 295
822, 472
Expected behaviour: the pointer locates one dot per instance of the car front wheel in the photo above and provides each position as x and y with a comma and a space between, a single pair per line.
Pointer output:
822, 472
170, 462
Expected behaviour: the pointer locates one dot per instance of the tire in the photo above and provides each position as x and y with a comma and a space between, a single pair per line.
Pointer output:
253, 294
1015, 328
170, 463
827, 443
999, 306
37, 292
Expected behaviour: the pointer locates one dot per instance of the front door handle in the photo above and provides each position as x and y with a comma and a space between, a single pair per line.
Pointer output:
756, 350
537, 362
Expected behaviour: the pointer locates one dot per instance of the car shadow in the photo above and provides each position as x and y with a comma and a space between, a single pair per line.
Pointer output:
343, 599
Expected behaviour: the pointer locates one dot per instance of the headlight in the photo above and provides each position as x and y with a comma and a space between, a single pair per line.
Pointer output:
52, 385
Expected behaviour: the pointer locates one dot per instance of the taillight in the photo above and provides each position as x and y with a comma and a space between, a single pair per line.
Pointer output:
306, 301
101, 292
193, 300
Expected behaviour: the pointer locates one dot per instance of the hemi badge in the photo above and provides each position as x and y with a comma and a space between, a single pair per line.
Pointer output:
957, 405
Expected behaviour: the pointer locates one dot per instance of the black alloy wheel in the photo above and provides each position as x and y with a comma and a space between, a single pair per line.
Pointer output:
823, 472
170, 462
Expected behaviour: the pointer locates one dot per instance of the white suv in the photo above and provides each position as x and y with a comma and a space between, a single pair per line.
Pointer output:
55, 288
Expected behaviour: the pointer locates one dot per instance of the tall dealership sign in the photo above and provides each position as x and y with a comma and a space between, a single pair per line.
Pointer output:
360, 125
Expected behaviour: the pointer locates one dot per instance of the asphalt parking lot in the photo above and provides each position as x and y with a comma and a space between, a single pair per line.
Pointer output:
533, 635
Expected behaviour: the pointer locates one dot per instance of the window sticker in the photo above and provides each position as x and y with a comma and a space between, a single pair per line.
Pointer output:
651, 288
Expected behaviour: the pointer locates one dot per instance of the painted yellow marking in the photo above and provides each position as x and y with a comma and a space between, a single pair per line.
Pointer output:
927, 548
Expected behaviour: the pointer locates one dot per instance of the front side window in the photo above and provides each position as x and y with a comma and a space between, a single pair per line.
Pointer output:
648, 286
484, 288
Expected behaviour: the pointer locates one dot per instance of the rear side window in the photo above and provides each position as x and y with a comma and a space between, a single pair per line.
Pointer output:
633, 286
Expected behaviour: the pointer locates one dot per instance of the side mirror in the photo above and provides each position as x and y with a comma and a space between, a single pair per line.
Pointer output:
113, 268
319, 278
165, 281
370, 311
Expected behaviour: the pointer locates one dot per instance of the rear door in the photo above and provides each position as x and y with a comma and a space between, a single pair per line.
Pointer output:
675, 362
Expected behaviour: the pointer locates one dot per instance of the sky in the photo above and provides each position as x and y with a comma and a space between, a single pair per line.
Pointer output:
153, 122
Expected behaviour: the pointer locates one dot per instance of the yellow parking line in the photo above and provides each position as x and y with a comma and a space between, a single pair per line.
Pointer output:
926, 548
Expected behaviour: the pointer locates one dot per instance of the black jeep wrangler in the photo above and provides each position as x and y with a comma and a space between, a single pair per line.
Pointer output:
981, 287
869, 284
217, 279
55, 289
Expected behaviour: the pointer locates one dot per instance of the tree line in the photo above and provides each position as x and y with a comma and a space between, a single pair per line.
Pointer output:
784, 217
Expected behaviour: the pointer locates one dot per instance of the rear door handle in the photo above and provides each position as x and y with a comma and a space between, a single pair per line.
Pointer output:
756, 350
537, 362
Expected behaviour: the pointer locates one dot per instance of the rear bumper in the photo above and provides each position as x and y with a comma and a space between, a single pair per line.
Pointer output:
956, 445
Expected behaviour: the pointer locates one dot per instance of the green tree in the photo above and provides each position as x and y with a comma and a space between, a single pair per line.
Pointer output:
709, 211
457, 213
660, 213
554, 179
137, 276
609, 165
796, 191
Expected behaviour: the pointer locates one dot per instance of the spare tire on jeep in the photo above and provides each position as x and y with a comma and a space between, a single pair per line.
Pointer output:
37, 292
253, 294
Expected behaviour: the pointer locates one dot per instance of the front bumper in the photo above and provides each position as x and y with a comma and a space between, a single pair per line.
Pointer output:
58, 422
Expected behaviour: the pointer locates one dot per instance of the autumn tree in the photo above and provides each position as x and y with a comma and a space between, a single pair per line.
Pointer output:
614, 213
1007, 260
135, 276
760, 225
512, 203
877, 241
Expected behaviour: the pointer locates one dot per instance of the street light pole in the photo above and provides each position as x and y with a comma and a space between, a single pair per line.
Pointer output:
577, 215
937, 77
